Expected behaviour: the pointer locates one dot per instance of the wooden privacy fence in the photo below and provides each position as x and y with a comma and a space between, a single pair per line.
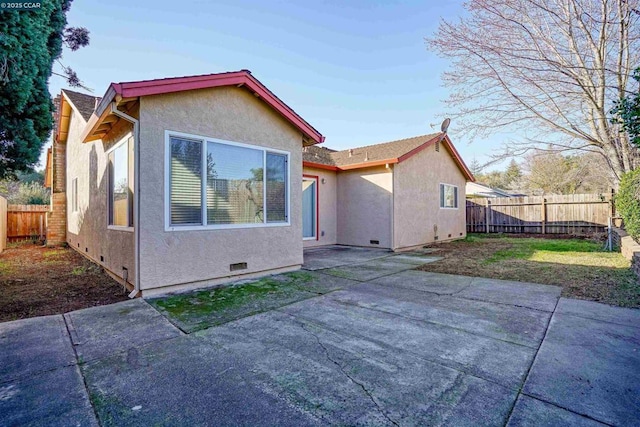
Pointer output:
554, 214
3, 224
26, 222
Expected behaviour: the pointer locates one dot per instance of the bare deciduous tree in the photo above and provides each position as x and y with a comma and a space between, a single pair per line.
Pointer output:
550, 68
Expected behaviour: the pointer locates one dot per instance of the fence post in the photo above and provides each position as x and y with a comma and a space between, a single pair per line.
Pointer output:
543, 209
613, 203
487, 216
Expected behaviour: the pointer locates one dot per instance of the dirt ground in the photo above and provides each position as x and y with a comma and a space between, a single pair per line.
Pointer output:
38, 281
579, 266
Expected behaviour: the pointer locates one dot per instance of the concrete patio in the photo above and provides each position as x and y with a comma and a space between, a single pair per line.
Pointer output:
387, 345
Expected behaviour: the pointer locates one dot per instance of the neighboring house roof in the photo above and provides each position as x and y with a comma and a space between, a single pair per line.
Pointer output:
85, 104
482, 190
380, 154
243, 79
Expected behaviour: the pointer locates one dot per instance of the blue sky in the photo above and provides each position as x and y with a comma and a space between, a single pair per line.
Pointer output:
358, 71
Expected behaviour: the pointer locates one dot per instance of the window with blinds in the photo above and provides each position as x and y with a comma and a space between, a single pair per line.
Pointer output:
448, 196
185, 190
237, 184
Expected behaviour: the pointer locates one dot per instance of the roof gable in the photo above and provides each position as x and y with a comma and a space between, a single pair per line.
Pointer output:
380, 154
84, 104
242, 79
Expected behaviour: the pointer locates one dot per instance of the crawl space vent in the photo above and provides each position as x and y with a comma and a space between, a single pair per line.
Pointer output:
374, 242
238, 266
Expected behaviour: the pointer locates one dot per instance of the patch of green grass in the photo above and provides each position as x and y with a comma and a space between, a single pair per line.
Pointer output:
53, 253
5, 267
528, 248
79, 271
201, 309
581, 267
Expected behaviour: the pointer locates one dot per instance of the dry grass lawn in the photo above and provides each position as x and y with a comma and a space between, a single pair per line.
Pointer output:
581, 267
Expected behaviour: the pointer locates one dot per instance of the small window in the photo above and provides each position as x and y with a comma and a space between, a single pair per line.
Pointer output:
74, 195
216, 183
121, 184
448, 196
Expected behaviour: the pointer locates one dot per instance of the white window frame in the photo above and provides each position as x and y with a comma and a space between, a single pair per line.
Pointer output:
204, 226
127, 228
74, 195
315, 214
457, 198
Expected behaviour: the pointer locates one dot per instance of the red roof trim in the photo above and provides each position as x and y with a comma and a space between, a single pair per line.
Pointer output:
244, 78
419, 148
456, 156
319, 166
368, 164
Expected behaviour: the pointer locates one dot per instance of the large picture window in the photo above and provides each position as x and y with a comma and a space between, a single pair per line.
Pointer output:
222, 184
121, 184
448, 196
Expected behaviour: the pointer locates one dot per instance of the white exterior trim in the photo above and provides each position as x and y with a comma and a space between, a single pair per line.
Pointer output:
457, 193
203, 141
315, 214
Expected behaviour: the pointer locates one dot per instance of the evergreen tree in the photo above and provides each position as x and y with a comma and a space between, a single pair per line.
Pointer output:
512, 175
30, 42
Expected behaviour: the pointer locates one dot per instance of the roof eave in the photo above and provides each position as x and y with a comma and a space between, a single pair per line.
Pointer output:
369, 164
239, 79
319, 166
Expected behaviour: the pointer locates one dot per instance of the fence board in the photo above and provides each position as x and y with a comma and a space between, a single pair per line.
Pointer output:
26, 222
3, 224
554, 214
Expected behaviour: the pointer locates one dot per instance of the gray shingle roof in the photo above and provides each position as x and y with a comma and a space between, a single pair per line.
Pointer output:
83, 102
315, 154
369, 153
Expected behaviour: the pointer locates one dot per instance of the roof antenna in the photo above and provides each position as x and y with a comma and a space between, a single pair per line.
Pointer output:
366, 156
350, 152
95, 103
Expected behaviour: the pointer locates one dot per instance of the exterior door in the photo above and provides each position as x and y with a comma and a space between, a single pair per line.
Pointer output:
309, 208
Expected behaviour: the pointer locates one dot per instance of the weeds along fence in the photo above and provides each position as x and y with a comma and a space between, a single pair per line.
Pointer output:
555, 214
26, 222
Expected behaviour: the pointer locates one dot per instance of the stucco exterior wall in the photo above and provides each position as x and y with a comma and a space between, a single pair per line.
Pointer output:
183, 259
87, 230
365, 211
418, 218
327, 203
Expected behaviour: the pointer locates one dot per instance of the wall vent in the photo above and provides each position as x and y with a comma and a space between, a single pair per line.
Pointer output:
238, 266
101, 258
374, 242
86, 249
449, 235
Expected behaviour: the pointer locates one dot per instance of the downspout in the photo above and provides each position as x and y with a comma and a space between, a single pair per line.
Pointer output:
136, 195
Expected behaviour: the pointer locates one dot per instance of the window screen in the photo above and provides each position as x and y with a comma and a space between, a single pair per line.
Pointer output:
448, 196
119, 200
235, 184
276, 187
185, 182
240, 184
74, 195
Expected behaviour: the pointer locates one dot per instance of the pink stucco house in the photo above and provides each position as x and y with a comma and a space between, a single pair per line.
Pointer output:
187, 182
